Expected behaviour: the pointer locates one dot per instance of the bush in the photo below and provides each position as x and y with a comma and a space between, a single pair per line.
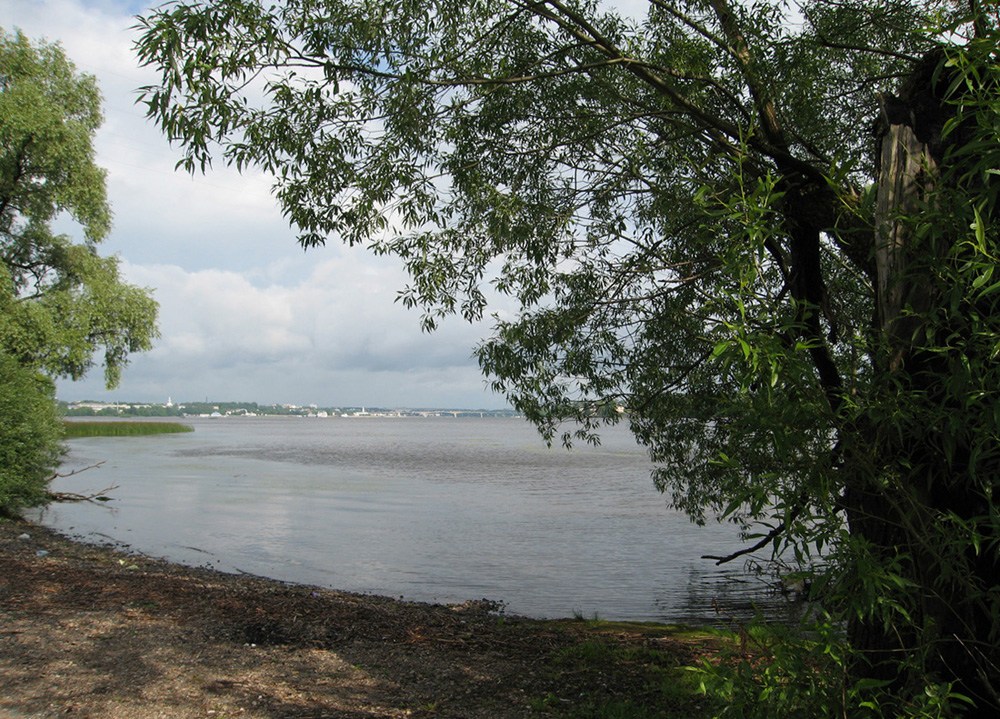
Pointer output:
777, 670
30, 434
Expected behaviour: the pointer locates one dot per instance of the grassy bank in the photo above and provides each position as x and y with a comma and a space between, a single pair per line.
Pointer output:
75, 430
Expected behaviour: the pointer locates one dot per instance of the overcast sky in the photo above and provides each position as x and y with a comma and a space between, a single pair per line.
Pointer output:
245, 313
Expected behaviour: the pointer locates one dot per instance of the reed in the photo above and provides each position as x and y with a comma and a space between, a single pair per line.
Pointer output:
75, 430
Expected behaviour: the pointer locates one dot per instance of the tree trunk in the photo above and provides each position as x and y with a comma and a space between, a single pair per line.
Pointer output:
914, 483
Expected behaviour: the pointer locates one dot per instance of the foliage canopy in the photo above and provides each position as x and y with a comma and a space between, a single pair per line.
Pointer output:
60, 302
692, 212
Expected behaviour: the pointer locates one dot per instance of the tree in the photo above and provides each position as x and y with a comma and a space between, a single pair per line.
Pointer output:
60, 302
693, 215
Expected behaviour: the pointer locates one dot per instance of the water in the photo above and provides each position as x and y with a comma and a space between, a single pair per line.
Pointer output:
435, 509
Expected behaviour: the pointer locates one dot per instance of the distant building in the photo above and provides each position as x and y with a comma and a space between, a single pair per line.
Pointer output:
95, 406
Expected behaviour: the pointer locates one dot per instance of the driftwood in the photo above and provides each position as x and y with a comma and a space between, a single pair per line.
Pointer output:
99, 496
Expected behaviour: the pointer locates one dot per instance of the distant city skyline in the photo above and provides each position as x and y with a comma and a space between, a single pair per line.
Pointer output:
243, 310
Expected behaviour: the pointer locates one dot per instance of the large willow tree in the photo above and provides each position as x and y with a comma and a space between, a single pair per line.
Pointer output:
769, 235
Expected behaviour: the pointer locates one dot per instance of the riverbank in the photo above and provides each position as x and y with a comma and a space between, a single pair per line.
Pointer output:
89, 631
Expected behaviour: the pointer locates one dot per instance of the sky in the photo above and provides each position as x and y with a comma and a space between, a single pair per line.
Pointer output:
245, 313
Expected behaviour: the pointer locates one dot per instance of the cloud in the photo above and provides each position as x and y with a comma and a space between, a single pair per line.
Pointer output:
335, 336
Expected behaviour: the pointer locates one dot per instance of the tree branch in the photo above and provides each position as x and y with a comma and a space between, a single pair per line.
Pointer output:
770, 537
99, 496
56, 475
578, 27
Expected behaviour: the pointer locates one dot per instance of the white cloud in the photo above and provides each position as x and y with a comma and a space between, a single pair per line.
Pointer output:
333, 337
341, 310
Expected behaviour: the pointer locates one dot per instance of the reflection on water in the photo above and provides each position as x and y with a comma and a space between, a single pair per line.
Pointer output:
440, 510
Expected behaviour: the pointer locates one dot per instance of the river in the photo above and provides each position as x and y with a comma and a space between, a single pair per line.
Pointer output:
429, 509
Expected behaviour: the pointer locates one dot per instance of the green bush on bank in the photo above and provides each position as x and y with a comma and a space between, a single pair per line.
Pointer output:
772, 669
29, 436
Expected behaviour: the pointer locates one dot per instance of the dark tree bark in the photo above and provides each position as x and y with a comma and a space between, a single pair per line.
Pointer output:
950, 633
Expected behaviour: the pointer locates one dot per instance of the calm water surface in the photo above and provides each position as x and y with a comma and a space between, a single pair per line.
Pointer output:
435, 509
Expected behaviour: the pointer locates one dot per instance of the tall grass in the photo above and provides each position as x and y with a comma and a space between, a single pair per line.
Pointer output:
75, 430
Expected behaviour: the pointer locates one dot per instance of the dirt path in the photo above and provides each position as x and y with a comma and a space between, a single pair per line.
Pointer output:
90, 632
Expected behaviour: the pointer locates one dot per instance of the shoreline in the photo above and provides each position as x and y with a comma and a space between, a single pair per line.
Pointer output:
92, 631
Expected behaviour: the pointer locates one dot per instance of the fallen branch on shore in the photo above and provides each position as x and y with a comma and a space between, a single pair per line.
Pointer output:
99, 496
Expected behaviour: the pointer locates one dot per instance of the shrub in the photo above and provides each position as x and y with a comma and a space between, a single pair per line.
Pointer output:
30, 434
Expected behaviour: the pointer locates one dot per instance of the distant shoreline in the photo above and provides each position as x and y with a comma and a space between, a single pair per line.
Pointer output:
92, 409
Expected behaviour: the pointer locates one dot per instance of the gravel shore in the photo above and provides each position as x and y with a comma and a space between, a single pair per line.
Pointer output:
88, 631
